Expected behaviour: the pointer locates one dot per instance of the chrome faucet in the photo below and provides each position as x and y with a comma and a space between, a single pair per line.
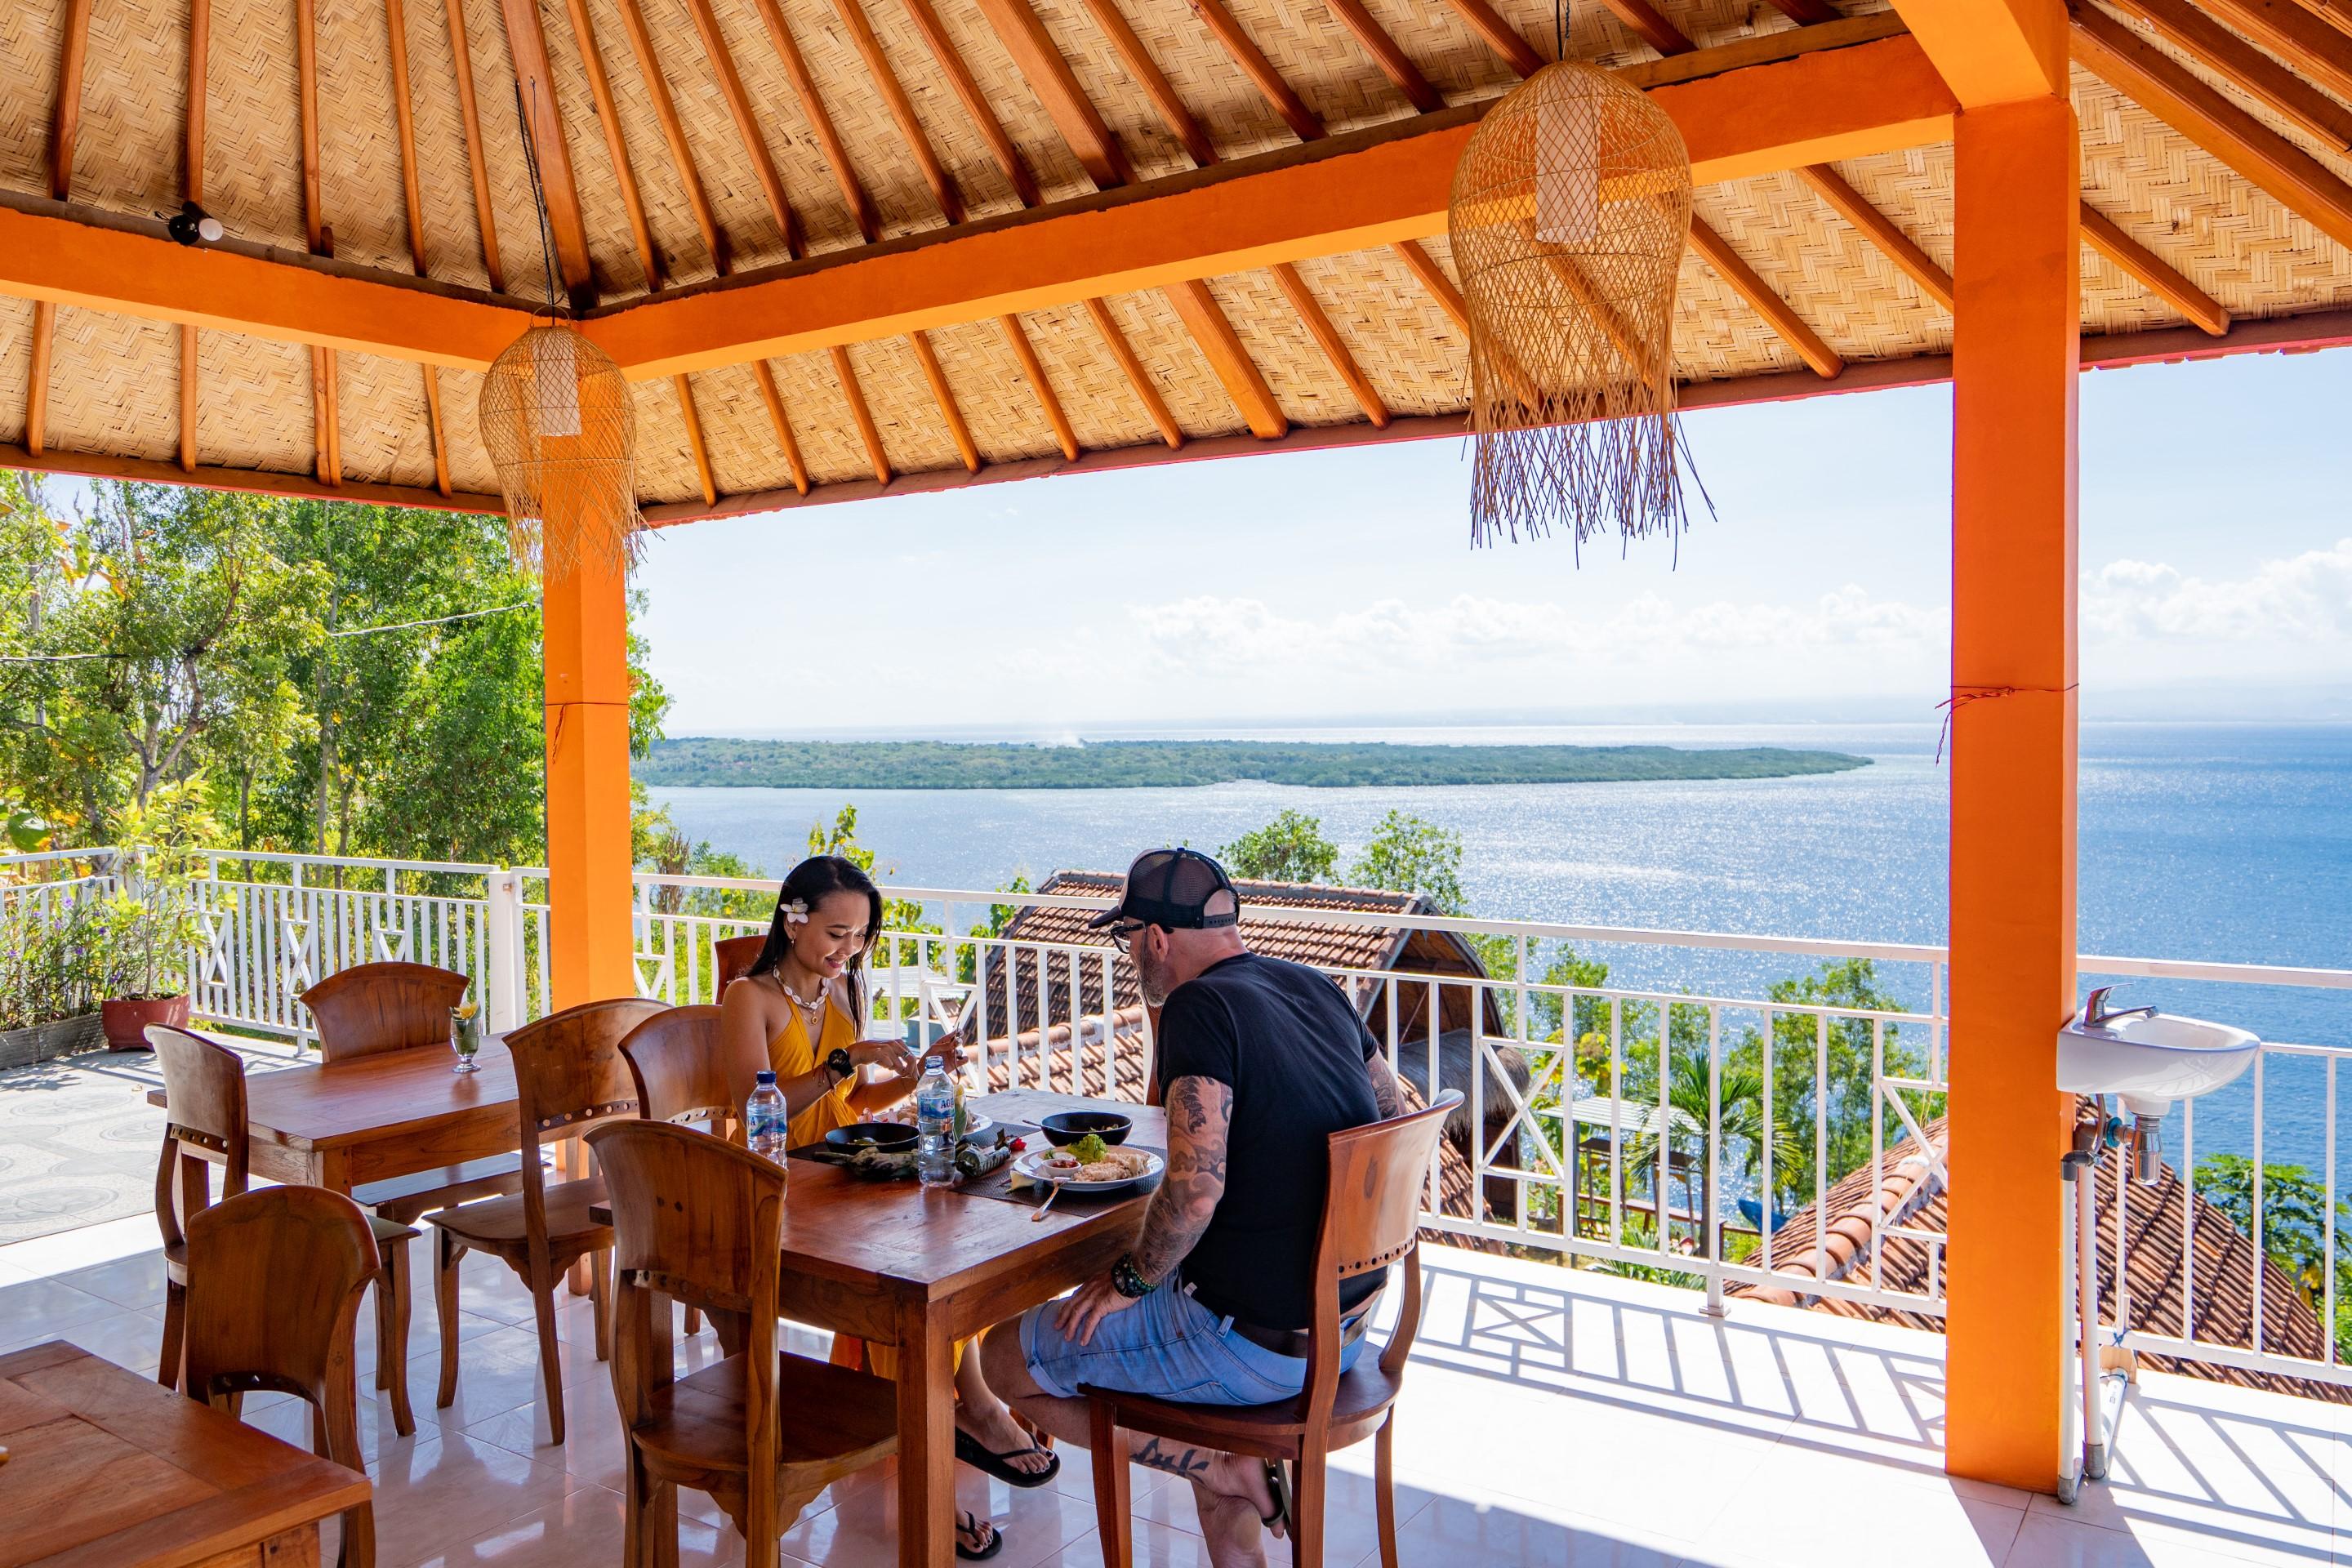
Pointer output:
2096, 1015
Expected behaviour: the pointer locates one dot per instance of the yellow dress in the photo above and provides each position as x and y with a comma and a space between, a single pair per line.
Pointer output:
790, 1054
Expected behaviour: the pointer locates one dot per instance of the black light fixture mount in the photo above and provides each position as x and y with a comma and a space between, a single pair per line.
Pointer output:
192, 226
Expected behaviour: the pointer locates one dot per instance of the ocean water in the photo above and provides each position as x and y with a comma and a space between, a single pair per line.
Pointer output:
2215, 842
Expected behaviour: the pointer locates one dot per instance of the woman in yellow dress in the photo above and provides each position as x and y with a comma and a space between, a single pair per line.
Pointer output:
798, 1007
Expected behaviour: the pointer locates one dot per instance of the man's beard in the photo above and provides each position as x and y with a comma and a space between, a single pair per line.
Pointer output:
1152, 978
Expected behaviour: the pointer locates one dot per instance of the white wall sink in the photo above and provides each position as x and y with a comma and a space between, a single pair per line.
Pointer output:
2151, 1061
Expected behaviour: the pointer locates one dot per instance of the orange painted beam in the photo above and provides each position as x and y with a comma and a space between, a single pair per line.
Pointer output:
2017, 278
37, 381
773, 395
695, 444
1344, 192
188, 389
1994, 52
65, 110
867, 431
199, 93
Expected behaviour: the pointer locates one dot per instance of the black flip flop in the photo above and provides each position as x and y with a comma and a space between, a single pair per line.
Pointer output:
969, 1450
995, 1538
1286, 1511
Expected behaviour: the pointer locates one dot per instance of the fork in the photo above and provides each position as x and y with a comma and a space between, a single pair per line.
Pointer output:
1039, 1216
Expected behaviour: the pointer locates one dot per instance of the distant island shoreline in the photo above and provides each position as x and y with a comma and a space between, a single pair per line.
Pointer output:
712, 762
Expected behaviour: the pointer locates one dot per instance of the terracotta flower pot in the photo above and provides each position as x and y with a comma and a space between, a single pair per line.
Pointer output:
126, 1022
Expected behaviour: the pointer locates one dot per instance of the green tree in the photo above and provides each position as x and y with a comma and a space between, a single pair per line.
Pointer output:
1290, 848
1410, 855
1692, 1093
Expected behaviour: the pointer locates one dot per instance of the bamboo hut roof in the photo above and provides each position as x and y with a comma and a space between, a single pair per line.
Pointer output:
369, 162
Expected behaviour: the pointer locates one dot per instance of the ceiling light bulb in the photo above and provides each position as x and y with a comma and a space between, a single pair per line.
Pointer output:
208, 228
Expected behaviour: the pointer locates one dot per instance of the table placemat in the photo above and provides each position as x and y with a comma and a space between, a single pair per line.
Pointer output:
826, 1154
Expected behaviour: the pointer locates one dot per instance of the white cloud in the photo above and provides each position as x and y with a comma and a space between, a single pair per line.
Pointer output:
2304, 598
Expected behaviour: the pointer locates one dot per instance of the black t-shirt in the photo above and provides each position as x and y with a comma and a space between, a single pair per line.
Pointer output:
1284, 1038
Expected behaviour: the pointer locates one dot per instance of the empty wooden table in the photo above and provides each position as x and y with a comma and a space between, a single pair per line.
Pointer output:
390, 1115
108, 1469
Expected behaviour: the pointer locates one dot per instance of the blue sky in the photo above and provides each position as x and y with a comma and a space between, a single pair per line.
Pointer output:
1283, 589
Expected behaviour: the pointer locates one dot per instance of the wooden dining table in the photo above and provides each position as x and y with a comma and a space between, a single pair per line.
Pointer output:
109, 1469
895, 1263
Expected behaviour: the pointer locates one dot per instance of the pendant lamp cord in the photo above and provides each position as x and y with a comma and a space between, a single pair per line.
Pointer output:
538, 199
1560, 29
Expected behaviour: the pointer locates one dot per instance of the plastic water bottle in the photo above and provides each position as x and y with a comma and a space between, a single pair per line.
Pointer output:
935, 1125
764, 1119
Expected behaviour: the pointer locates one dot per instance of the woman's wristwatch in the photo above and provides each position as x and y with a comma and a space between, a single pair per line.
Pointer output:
840, 1065
1128, 1279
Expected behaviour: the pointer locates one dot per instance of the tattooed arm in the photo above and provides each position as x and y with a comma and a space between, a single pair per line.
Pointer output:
1199, 1118
1384, 1086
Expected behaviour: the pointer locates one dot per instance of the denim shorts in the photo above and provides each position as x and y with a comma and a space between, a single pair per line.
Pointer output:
1168, 1346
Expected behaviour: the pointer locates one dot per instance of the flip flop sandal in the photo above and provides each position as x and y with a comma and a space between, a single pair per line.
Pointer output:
969, 1450
1284, 1519
995, 1537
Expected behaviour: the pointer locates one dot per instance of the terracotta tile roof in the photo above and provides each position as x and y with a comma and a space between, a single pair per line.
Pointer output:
2221, 1260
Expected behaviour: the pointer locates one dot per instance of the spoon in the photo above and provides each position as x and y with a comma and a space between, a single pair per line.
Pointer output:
1040, 1215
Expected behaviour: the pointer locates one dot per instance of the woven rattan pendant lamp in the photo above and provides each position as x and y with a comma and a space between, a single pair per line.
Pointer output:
561, 429
1568, 214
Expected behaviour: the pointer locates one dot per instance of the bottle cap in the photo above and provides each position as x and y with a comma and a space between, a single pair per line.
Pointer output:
765, 1079
931, 1062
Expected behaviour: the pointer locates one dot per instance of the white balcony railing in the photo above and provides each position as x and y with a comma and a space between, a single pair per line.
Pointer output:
1766, 1103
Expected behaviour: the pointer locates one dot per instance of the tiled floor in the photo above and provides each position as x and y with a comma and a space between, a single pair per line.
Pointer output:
1609, 1423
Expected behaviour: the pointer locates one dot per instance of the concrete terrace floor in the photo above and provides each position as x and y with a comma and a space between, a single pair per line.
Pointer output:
1550, 1419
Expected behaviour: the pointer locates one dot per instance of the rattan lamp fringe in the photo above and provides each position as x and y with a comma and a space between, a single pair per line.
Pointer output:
1568, 214
557, 417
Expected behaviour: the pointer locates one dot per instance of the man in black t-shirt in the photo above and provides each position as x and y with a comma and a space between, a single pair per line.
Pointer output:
1260, 1060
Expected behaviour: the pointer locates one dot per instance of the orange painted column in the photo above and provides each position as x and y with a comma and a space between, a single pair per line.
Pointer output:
2015, 274
586, 632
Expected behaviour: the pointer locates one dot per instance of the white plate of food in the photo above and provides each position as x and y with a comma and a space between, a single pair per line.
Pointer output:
1114, 1170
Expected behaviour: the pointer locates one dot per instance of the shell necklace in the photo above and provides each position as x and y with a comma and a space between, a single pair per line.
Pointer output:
804, 1003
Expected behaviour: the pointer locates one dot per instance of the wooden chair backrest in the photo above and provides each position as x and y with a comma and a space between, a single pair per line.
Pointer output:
702, 1222
1371, 1219
275, 1278
569, 1076
735, 956
204, 1125
371, 1009
678, 1063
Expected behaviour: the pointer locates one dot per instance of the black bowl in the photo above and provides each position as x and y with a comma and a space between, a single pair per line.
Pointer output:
1066, 1127
884, 1137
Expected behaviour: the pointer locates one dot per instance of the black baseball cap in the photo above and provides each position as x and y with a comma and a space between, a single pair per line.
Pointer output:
1171, 888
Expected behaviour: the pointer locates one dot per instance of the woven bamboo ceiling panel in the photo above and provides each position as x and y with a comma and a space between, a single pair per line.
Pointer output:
707, 139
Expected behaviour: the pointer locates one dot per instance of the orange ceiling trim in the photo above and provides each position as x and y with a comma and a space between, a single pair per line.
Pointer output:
1994, 52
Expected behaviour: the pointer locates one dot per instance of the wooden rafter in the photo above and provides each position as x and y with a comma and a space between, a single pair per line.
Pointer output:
396, 33
681, 156
867, 431
2228, 56
469, 114
617, 147
770, 395
1783, 319
1881, 231
1432, 277
1335, 348
1132, 54
902, 109
1025, 352
1648, 23
2295, 35
1222, 346
2165, 88
694, 439
1303, 122
2333, 13
326, 413
192, 188
828, 138
1500, 36
747, 122
1805, 12
433, 421
1395, 63
326, 417
926, 357
543, 118
65, 113
975, 103
2157, 275
189, 386
37, 383
239, 481
1049, 76
1154, 405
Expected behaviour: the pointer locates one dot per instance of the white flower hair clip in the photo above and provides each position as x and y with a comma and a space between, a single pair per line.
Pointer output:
795, 913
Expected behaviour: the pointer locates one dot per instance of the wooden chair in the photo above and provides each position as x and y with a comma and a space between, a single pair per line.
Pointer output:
734, 956
569, 1075
1371, 1217
682, 1074
203, 1089
371, 1009
702, 1222
273, 1297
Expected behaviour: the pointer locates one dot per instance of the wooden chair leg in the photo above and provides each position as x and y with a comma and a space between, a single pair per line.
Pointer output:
693, 1319
176, 1333
340, 1422
1114, 1514
446, 1253
635, 1540
550, 1359
1384, 1485
600, 1302
392, 1335
1307, 1490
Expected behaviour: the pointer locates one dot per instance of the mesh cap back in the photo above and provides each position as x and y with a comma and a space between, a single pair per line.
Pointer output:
1173, 889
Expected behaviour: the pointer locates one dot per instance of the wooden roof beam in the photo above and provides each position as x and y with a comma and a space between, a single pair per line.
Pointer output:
1647, 22
192, 188
1994, 52
1174, 111
1881, 231
36, 379
469, 115
2313, 48
433, 421
1242, 50
2307, 188
526, 49
1049, 76
412, 196
681, 156
1026, 352
242, 482
1432, 278
2157, 275
867, 431
326, 413
694, 437
1778, 312
616, 148
65, 110
1335, 348
2234, 59
1155, 407
1500, 36
975, 103
1348, 193
828, 138
902, 110
189, 387
1395, 63
935, 374
773, 395
1222, 346
747, 123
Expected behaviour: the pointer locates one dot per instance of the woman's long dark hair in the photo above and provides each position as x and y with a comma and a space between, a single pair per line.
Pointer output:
809, 882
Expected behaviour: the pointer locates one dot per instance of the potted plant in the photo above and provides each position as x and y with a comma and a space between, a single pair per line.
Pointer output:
140, 941
47, 1005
